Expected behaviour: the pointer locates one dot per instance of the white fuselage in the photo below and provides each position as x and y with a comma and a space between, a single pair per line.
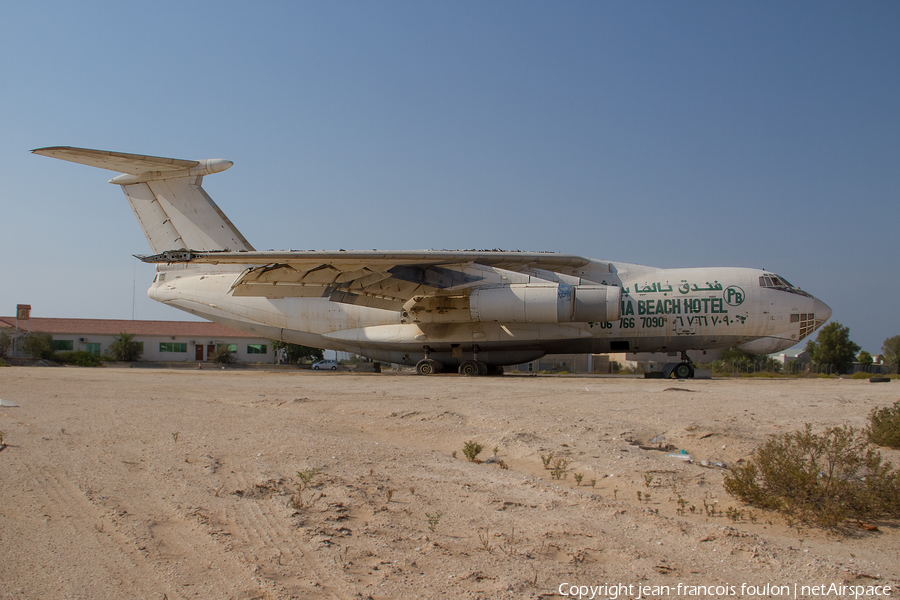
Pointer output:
661, 310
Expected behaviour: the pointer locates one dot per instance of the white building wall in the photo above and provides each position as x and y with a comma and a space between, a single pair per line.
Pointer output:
153, 353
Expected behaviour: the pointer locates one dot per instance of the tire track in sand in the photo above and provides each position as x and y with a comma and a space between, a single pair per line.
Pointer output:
274, 545
69, 514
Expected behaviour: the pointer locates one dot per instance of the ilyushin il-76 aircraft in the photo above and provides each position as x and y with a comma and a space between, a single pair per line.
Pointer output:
469, 311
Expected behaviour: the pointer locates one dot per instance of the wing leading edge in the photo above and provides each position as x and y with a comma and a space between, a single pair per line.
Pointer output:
387, 280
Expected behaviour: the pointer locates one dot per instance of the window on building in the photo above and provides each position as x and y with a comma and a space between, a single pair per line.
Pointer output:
93, 348
172, 347
63, 345
257, 349
230, 347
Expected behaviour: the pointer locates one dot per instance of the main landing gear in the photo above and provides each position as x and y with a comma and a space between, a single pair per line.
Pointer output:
476, 367
473, 367
428, 366
469, 368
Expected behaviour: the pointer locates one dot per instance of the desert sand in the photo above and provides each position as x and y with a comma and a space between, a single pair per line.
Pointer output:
152, 483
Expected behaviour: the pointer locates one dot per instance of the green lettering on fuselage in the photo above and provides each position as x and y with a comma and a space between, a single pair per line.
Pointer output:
677, 306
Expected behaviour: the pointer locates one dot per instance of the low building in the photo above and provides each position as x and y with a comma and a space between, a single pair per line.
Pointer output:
160, 340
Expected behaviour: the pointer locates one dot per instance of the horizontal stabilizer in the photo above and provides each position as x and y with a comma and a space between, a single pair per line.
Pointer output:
133, 164
167, 197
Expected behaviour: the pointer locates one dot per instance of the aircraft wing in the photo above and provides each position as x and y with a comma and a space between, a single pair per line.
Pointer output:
385, 280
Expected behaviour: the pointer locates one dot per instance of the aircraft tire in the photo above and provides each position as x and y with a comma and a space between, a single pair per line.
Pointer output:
427, 366
470, 368
683, 371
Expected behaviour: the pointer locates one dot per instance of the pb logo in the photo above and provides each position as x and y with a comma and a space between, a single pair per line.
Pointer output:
734, 295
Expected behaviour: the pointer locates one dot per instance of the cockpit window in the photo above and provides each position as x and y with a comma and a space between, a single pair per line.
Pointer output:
772, 281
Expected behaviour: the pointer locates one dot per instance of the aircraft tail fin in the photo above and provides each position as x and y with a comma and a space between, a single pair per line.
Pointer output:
167, 197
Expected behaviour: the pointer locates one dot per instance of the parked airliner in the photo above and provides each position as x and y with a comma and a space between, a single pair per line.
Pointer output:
473, 312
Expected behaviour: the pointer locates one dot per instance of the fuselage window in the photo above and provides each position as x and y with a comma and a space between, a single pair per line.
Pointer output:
807, 324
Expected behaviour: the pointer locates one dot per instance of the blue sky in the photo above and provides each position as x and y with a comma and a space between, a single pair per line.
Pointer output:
760, 134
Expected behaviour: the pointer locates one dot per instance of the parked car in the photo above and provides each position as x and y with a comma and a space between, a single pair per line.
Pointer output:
325, 364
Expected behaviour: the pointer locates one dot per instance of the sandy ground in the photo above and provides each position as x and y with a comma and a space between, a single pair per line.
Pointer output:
143, 483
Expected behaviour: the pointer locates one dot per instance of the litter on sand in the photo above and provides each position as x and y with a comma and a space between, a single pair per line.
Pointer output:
8, 403
683, 455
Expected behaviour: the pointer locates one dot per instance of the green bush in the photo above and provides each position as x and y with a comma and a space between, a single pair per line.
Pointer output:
5, 341
823, 479
124, 348
80, 358
39, 345
222, 356
884, 426
735, 362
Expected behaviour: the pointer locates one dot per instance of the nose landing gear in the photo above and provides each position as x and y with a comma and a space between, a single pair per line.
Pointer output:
682, 370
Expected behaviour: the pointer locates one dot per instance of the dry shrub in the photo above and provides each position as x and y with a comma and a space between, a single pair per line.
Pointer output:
884, 426
822, 479
471, 450
81, 358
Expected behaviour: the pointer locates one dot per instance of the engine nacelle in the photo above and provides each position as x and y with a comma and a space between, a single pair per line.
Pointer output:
546, 303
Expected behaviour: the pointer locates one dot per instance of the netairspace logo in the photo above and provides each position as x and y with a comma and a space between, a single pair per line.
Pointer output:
614, 591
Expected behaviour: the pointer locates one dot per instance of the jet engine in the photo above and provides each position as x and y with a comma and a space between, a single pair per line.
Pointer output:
546, 303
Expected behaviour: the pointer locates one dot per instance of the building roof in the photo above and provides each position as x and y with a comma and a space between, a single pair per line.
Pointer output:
201, 329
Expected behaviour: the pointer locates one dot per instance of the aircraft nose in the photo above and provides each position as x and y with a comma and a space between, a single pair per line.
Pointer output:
823, 311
